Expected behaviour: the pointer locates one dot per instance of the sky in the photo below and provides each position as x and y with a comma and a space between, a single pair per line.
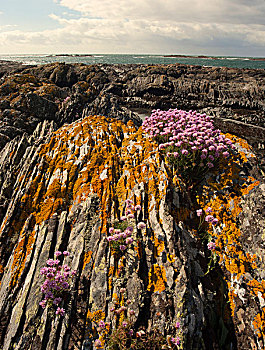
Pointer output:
191, 27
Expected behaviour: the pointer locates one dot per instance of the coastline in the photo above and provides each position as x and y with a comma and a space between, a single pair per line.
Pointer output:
199, 60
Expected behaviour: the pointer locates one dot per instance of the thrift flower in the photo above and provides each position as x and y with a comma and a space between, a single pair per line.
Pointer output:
43, 303
211, 246
141, 225
199, 212
209, 218
177, 325
60, 311
101, 324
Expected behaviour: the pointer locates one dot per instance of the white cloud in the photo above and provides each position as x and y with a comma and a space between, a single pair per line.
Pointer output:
155, 26
202, 11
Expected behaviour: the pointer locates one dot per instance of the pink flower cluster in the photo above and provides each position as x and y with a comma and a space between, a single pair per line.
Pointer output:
211, 245
187, 137
175, 341
57, 282
123, 238
208, 218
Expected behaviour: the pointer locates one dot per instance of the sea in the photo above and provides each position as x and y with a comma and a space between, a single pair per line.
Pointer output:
206, 61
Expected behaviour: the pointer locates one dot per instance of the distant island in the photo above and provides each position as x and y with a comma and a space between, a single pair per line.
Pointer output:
70, 55
213, 57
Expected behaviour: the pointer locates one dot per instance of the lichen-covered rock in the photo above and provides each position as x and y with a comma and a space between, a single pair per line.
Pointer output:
64, 190
71, 91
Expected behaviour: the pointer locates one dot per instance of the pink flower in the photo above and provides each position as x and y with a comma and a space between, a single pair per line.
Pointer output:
66, 253
129, 240
58, 253
211, 246
124, 324
141, 225
60, 311
175, 341
215, 221
177, 325
43, 303
111, 230
199, 212
50, 262
208, 210
184, 152
138, 207
122, 247
123, 218
43, 270
209, 218
57, 301
130, 216
98, 343
101, 324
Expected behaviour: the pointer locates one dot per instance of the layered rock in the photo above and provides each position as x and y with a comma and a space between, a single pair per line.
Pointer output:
64, 93
62, 190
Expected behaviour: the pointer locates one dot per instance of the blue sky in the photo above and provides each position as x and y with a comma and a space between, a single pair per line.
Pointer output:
210, 27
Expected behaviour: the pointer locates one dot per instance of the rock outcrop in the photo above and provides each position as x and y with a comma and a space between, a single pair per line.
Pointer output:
65, 180
123, 91
62, 190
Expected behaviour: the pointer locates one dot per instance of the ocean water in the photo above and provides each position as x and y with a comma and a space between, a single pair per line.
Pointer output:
233, 62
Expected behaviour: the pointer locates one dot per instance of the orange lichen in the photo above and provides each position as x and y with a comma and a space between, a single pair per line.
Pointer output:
159, 246
259, 324
87, 258
226, 207
21, 252
157, 279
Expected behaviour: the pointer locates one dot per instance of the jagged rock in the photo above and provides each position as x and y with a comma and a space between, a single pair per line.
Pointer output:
63, 185
120, 90
71, 185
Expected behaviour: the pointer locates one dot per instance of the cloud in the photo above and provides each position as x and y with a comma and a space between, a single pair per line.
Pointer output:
136, 35
201, 11
220, 27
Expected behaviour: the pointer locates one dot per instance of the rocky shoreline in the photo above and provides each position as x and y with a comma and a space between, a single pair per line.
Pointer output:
30, 94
